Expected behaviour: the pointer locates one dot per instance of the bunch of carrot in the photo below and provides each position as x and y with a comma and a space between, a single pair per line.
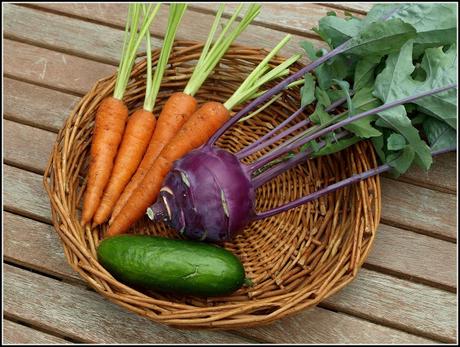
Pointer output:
148, 146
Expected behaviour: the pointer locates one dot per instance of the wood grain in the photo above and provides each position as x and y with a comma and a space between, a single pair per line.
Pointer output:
442, 175
14, 333
361, 7
37, 106
370, 290
321, 326
18, 150
417, 257
288, 17
95, 315
70, 35
35, 245
408, 306
194, 25
52, 69
85, 316
418, 208
24, 193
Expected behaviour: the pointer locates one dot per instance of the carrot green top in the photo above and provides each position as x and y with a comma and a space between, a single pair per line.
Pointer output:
210, 56
135, 31
176, 11
261, 75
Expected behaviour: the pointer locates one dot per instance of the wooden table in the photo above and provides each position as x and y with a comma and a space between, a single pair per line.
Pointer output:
53, 53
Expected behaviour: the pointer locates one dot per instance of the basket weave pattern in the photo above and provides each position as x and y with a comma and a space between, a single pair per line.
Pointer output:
295, 259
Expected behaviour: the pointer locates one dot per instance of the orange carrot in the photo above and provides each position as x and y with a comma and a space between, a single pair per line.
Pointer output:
194, 133
136, 137
176, 111
112, 113
108, 130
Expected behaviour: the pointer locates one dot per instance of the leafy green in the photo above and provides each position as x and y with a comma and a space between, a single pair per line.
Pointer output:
439, 134
395, 142
381, 38
435, 23
397, 51
335, 30
307, 91
364, 73
395, 80
320, 116
363, 100
401, 160
322, 97
333, 147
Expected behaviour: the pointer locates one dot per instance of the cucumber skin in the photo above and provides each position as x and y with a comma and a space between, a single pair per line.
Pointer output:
173, 266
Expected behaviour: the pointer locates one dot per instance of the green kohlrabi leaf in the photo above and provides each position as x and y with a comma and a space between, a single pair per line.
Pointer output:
381, 38
345, 86
320, 116
401, 160
309, 49
363, 101
336, 68
395, 81
418, 118
336, 146
322, 97
439, 134
396, 142
397, 120
364, 72
335, 30
435, 23
378, 143
308, 90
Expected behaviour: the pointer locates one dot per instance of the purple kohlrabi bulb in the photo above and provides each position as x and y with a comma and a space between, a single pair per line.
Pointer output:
206, 196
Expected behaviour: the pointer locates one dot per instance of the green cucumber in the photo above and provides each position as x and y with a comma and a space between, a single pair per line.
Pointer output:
173, 266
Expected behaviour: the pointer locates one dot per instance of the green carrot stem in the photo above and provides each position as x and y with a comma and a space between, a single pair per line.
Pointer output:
130, 48
176, 12
148, 87
259, 76
210, 56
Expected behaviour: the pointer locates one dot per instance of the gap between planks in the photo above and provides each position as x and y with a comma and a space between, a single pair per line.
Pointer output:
54, 336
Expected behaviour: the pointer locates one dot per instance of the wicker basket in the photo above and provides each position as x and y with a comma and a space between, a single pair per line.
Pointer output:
295, 259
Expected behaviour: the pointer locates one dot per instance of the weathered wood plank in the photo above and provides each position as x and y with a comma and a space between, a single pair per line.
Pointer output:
14, 333
362, 7
370, 290
297, 18
85, 316
422, 257
194, 25
418, 208
441, 176
53, 69
409, 306
24, 193
73, 36
35, 245
321, 326
96, 313
37, 106
19, 150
